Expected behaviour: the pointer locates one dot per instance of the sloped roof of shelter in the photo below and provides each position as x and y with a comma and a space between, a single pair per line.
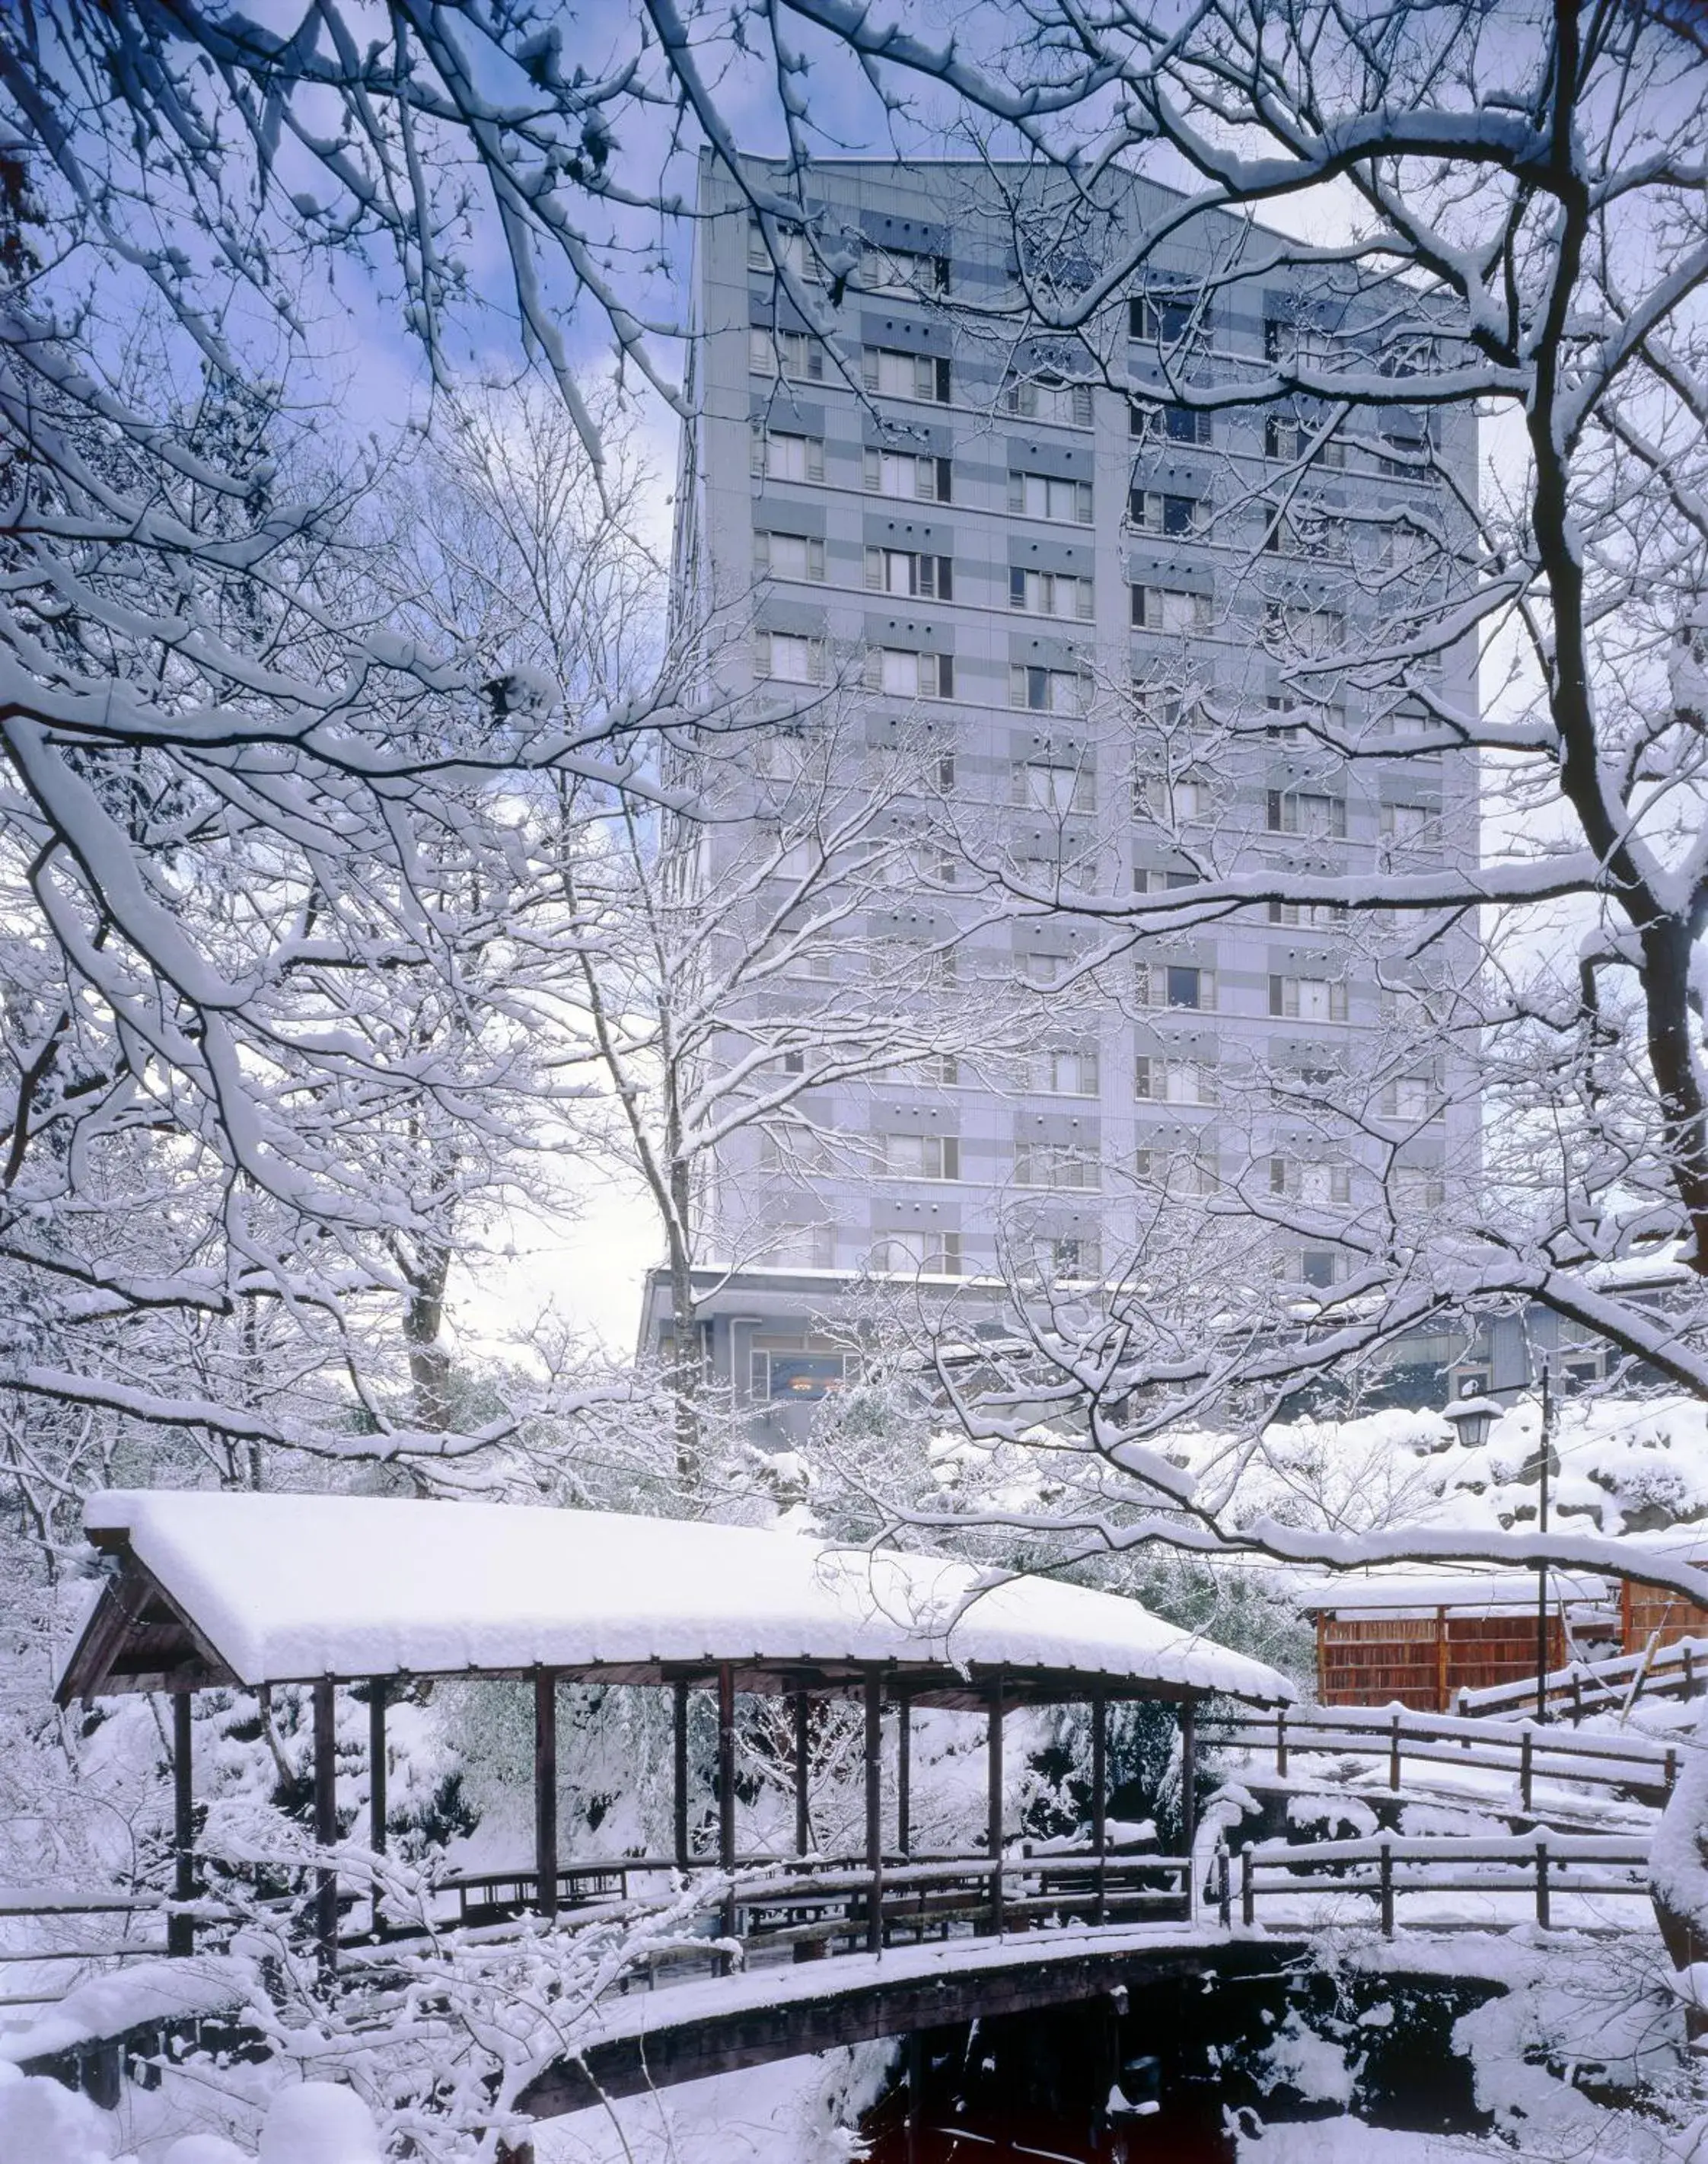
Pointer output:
216, 1587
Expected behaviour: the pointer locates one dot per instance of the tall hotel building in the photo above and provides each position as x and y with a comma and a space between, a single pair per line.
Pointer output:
1100, 606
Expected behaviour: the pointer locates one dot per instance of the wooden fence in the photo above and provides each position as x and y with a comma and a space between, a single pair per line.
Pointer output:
1631, 1763
1677, 1669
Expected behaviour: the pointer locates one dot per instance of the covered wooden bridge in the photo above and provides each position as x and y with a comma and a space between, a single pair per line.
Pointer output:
211, 1589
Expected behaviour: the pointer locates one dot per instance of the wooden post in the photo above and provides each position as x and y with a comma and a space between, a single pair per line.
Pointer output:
1526, 1781
181, 1931
1280, 1743
874, 1809
325, 1821
1387, 1884
1189, 1775
993, 1812
1542, 1913
803, 1756
1394, 1750
904, 1774
726, 1789
1248, 1887
1442, 1699
679, 1771
545, 1791
1099, 1799
1689, 1670
1224, 1891
377, 1767
1577, 1697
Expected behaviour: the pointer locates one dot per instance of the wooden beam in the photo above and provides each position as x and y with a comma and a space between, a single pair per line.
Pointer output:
904, 1773
326, 1821
1100, 1772
181, 1931
874, 1809
725, 1788
377, 1767
679, 1770
1189, 1775
993, 1816
803, 1766
545, 1789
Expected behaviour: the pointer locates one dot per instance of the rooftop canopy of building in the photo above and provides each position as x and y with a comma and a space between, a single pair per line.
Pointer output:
211, 1588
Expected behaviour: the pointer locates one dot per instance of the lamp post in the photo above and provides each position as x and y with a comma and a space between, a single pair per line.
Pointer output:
1472, 1414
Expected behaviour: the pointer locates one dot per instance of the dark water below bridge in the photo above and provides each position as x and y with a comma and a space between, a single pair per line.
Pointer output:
1177, 2064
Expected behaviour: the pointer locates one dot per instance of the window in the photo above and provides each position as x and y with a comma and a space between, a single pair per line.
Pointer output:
1410, 1097
1321, 1267
1074, 1257
922, 1157
1039, 496
946, 771
1418, 1187
1299, 533
908, 473
941, 1068
1319, 916
1406, 447
920, 1254
1163, 882
905, 375
786, 659
1287, 436
1170, 800
1308, 998
790, 250
903, 270
1044, 786
1049, 593
1048, 691
804, 1377
789, 556
1167, 610
1306, 631
1048, 399
1323, 1184
1038, 968
1411, 826
1155, 512
778, 457
1293, 344
905, 571
793, 1062
1163, 315
802, 1248
1178, 1172
1301, 811
1067, 1073
1174, 984
1302, 721
1159, 1081
904, 675
1153, 423
1056, 1164
796, 355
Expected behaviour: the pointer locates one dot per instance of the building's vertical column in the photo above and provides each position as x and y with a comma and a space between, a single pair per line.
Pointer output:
377, 1771
326, 1820
181, 1931
545, 1791
904, 1774
1189, 1776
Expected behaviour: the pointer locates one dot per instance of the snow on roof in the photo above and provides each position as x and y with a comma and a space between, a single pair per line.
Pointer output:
288, 1587
1476, 1591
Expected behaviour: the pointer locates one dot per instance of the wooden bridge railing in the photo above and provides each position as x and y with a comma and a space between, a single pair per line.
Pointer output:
1679, 1670
1520, 1748
1543, 1866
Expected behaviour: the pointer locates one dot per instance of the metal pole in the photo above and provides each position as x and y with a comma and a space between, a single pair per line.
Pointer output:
726, 1789
1542, 1567
994, 1802
181, 1931
803, 1758
904, 1774
545, 1790
325, 1821
679, 1772
874, 1809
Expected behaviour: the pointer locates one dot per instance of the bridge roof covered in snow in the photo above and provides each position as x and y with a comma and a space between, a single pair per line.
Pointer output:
212, 1588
